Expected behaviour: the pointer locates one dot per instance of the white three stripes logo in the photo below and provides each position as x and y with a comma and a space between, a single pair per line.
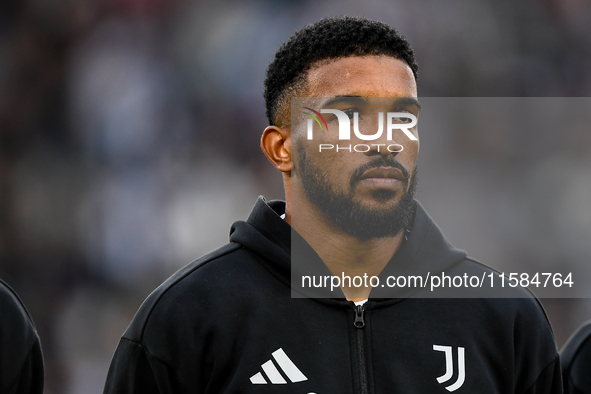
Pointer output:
449, 367
273, 374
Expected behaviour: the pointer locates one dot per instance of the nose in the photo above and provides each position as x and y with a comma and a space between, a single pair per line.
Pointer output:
384, 148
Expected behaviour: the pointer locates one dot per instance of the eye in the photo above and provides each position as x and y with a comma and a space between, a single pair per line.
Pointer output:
350, 112
402, 119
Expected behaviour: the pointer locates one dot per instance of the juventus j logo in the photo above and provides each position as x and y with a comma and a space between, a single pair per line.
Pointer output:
449, 367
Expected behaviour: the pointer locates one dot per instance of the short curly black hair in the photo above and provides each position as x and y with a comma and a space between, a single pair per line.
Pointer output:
329, 38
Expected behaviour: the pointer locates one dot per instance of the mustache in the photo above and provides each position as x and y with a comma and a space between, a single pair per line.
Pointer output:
377, 163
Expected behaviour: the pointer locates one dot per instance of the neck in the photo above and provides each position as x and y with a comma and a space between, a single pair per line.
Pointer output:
343, 253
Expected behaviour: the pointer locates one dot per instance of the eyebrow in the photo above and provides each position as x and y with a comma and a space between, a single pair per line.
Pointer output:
404, 101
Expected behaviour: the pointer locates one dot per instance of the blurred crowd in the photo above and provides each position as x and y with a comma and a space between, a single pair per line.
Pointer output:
129, 137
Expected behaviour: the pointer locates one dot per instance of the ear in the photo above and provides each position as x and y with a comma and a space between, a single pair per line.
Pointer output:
276, 143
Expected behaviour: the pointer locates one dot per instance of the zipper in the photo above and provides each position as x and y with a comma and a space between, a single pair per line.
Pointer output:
359, 324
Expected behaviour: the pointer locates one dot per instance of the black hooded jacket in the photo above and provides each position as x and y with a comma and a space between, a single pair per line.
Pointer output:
227, 323
576, 361
21, 361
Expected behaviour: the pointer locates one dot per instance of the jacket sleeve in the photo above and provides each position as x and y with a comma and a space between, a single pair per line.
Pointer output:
549, 381
134, 370
30, 378
21, 360
537, 367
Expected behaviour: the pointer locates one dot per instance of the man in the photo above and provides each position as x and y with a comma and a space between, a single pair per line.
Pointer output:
21, 361
227, 323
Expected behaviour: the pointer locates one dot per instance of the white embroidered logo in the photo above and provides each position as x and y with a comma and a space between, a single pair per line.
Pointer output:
449, 367
287, 366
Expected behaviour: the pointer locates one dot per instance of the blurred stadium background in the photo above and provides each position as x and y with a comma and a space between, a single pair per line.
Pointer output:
129, 144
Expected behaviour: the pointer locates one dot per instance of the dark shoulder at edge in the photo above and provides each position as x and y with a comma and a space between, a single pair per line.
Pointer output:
9, 296
135, 330
521, 293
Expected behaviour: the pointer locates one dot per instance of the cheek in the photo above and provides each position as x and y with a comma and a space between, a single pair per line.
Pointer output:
331, 162
337, 166
408, 158
412, 149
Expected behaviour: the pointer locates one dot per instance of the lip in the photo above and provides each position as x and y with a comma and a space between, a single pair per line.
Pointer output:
383, 174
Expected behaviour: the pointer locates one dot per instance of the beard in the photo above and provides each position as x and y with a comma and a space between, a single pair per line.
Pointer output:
355, 218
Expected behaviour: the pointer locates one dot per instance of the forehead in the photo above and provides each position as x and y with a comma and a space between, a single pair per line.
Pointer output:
366, 76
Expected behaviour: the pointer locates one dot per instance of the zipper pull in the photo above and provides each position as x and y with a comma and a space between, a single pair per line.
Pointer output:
359, 321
